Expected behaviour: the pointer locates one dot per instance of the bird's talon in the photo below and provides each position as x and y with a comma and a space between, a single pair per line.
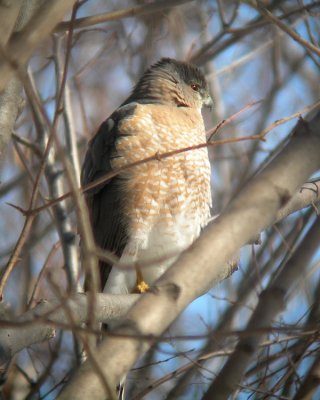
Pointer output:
142, 287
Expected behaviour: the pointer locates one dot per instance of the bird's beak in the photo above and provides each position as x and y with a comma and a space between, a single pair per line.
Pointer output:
208, 102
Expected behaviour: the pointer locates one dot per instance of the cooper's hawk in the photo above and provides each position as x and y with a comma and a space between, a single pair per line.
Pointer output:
148, 214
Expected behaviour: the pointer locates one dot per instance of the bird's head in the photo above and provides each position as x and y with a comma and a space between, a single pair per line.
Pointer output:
172, 82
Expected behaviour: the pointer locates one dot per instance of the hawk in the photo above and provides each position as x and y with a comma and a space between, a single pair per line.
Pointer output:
149, 213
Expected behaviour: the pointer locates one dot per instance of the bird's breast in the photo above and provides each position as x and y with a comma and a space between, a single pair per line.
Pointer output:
171, 193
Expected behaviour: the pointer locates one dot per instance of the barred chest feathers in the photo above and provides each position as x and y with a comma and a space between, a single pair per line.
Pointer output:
166, 201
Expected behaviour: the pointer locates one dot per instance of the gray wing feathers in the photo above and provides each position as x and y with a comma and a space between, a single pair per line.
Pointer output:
105, 201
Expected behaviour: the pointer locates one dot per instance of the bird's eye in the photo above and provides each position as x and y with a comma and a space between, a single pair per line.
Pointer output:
194, 87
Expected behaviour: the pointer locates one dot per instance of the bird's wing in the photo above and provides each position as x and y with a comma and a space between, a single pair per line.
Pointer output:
104, 201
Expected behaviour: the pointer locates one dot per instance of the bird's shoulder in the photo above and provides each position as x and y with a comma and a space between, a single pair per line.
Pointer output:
159, 116
97, 161
128, 120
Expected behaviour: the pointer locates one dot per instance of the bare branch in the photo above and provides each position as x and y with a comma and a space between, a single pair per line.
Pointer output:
141, 10
272, 301
308, 195
10, 102
269, 16
205, 261
22, 44
39, 323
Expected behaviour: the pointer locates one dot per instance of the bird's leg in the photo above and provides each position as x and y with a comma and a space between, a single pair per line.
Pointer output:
141, 285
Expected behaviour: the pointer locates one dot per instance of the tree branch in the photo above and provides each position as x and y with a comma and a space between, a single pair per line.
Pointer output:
204, 264
272, 302
39, 323
21, 45
308, 194
139, 10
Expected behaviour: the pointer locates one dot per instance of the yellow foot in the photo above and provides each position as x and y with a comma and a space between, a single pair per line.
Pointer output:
141, 285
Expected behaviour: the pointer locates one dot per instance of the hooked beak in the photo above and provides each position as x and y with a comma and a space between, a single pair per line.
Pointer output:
208, 102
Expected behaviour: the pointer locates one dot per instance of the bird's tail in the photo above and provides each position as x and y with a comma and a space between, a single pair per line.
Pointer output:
120, 389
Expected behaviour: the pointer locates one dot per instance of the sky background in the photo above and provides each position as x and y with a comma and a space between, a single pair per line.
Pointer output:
106, 60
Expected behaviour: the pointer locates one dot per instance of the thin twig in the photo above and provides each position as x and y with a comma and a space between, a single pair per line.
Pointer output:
140, 10
269, 16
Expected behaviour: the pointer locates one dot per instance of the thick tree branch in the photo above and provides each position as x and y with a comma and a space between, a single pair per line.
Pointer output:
308, 194
117, 306
39, 323
8, 14
21, 45
10, 101
140, 10
204, 264
272, 302
13, 17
